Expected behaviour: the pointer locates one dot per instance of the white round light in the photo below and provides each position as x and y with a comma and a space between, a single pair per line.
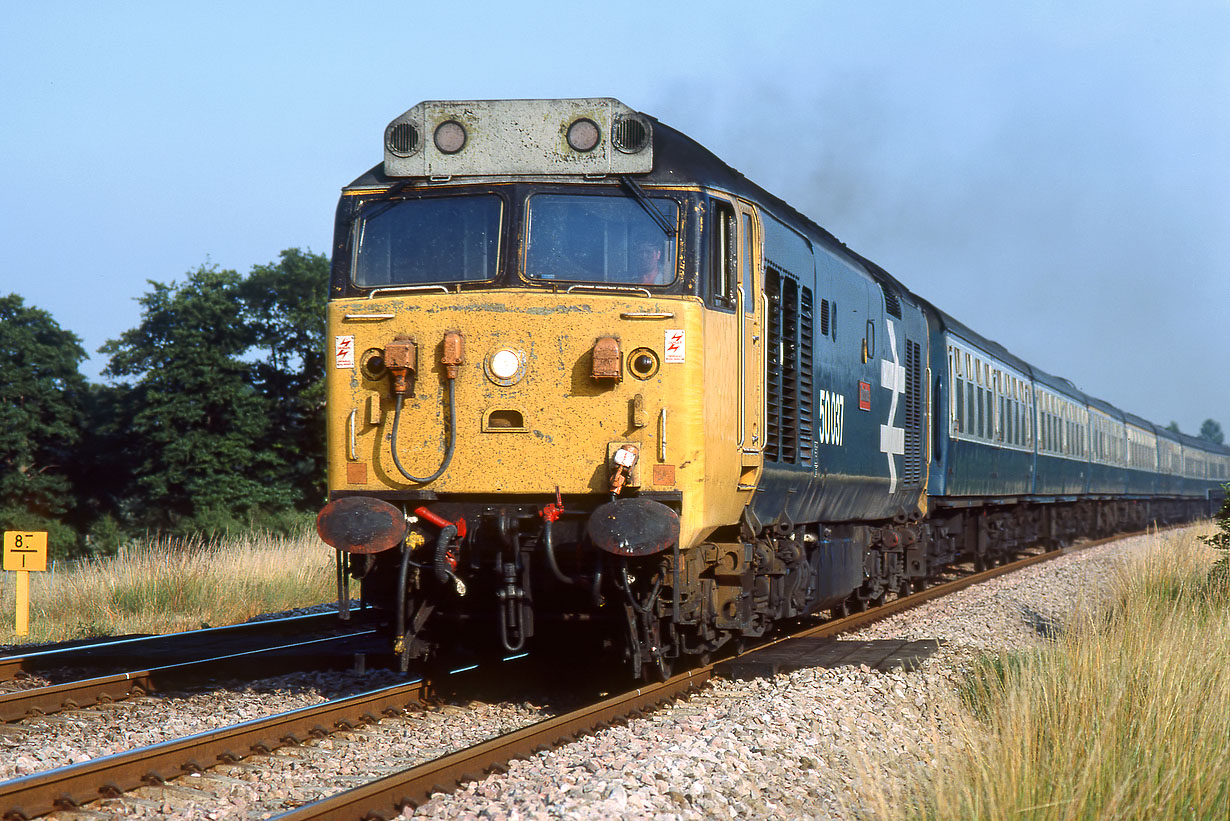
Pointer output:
450, 137
583, 135
505, 364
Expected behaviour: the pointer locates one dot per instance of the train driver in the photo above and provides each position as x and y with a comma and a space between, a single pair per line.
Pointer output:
646, 266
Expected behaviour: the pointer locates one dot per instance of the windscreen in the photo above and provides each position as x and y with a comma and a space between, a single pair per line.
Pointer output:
604, 239
426, 241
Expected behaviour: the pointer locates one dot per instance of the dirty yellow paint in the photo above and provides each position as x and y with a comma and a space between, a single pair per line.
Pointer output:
570, 419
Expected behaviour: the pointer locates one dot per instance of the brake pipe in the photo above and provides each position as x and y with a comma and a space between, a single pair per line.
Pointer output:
448, 532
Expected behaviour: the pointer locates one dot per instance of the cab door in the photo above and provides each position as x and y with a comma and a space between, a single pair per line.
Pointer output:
750, 311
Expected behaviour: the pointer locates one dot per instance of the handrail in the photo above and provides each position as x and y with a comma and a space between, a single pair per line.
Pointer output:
620, 288
372, 294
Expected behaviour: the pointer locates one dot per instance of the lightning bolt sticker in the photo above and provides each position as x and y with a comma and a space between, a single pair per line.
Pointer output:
343, 348
674, 346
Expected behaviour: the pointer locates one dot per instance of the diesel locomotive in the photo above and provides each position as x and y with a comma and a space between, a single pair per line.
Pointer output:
584, 372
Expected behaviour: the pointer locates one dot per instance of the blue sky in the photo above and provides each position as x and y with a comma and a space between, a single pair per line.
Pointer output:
1057, 175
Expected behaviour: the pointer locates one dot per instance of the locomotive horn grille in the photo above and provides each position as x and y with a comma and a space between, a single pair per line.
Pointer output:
629, 135
403, 139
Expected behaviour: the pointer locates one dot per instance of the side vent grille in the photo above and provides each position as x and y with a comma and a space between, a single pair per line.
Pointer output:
824, 317
806, 402
773, 386
911, 475
790, 371
892, 303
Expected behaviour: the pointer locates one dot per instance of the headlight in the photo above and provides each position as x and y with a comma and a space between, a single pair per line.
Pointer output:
505, 366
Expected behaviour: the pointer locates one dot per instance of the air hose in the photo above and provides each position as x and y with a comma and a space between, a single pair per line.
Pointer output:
452, 437
443, 571
548, 550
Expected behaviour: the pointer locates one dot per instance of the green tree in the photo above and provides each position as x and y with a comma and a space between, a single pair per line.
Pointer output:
1173, 427
198, 423
104, 475
1211, 431
40, 416
284, 305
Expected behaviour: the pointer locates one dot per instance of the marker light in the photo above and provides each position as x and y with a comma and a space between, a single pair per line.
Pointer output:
450, 137
583, 135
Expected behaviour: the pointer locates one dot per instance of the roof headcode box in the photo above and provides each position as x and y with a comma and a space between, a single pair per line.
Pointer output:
518, 137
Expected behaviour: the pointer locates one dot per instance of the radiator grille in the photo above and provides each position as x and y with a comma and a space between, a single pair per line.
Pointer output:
911, 475
790, 371
805, 375
773, 384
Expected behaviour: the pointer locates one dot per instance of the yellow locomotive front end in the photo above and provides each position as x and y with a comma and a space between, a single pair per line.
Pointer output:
546, 388
533, 413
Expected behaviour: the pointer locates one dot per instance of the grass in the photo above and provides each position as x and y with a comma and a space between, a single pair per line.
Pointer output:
166, 585
1126, 715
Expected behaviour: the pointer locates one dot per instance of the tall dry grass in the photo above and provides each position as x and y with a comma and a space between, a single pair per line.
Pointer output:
164, 585
1124, 716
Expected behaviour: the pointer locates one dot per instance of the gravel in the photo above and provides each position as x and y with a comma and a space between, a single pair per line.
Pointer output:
794, 745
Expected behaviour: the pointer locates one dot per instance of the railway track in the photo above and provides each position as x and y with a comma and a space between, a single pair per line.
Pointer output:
171, 648
251, 664
385, 797
77, 785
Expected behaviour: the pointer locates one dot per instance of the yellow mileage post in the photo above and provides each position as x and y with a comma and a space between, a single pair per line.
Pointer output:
23, 552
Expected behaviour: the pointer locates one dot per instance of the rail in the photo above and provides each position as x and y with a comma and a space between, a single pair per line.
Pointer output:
75, 695
385, 798
82, 654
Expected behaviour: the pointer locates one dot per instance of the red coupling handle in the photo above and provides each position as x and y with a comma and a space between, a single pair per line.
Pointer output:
441, 522
553, 510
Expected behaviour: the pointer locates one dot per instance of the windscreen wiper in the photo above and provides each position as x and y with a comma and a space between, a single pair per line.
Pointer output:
649, 207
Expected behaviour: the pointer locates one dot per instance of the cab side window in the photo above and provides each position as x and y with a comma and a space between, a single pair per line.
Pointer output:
723, 254
749, 292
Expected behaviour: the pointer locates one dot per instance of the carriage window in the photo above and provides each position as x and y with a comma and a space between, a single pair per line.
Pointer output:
427, 240
591, 238
971, 416
980, 425
959, 402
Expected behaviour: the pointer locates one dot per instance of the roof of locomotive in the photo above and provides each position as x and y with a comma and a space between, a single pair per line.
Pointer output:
681, 160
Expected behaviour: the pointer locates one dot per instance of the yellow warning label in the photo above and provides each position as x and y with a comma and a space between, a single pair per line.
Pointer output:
25, 550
